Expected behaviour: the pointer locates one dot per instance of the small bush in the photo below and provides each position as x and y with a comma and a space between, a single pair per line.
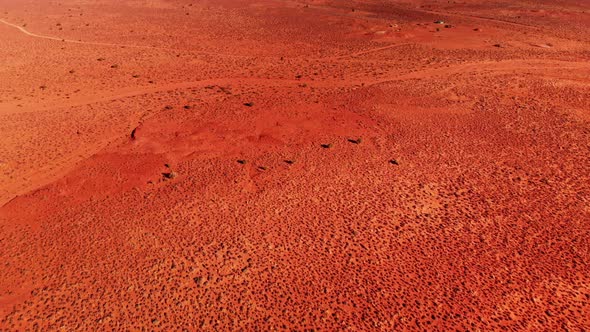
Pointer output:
170, 175
355, 141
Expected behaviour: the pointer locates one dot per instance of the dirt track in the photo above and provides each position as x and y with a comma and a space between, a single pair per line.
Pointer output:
281, 165
28, 33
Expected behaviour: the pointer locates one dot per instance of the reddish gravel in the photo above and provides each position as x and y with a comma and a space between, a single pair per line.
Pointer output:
295, 165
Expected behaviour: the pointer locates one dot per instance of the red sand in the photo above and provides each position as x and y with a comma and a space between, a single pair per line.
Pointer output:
481, 223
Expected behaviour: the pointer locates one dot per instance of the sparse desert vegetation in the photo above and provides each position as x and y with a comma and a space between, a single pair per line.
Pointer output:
266, 165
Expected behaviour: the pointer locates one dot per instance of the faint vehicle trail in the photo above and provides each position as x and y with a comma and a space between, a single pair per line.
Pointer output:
31, 34
28, 33
419, 10
372, 50
468, 67
480, 18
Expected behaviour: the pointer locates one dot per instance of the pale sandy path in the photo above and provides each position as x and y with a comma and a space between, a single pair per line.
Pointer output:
79, 42
463, 68
28, 33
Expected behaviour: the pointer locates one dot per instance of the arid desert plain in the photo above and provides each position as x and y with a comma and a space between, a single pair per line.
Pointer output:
294, 165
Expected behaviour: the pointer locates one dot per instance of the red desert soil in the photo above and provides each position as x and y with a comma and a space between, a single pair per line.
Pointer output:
295, 165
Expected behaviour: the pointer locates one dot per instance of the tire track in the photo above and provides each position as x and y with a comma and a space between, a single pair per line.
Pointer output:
31, 34
79, 42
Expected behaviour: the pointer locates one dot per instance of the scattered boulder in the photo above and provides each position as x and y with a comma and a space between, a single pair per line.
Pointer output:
326, 146
249, 104
394, 162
